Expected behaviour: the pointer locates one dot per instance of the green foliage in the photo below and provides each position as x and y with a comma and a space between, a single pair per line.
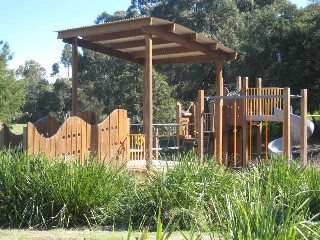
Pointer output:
278, 201
110, 83
66, 57
55, 69
12, 92
38, 192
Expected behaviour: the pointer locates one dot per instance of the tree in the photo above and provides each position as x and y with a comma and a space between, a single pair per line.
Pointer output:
55, 69
33, 75
66, 57
12, 93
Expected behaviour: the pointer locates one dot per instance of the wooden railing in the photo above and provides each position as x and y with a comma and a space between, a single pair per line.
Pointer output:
137, 147
263, 106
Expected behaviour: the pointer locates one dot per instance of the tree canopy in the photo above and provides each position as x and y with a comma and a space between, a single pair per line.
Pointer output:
12, 93
274, 39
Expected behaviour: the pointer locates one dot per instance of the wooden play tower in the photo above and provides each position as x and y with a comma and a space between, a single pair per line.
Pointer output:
148, 42
223, 128
243, 113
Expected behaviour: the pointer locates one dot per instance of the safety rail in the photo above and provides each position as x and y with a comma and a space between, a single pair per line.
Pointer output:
263, 106
137, 147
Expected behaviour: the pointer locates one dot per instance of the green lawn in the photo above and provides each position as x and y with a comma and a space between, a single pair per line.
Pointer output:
18, 128
62, 234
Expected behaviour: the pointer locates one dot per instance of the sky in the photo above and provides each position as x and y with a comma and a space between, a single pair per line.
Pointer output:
29, 26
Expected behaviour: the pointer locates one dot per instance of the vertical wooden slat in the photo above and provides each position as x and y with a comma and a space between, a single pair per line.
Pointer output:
245, 127
68, 138
259, 126
91, 140
52, 143
25, 140
128, 140
303, 132
113, 134
178, 121
156, 142
36, 141
121, 136
78, 138
84, 146
286, 144
219, 104
238, 82
200, 129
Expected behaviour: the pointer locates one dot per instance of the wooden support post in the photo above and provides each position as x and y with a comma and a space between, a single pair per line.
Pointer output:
238, 80
212, 129
245, 85
259, 126
178, 128
200, 123
75, 108
219, 104
147, 100
303, 133
286, 144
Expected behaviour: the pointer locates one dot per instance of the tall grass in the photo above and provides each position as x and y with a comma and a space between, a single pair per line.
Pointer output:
278, 201
35, 191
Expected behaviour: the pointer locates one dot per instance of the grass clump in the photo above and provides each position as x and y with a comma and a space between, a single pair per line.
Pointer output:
278, 201
38, 192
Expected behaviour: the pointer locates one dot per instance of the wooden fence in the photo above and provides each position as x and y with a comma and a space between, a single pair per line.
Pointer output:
78, 139
7, 138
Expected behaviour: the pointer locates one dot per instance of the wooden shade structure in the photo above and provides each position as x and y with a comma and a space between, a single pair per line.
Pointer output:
147, 41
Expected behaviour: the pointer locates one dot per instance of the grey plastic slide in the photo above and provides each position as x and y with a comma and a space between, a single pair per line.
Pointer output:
275, 146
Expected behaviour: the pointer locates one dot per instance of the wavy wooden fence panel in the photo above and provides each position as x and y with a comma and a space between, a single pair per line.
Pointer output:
7, 138
79, 139
47, 126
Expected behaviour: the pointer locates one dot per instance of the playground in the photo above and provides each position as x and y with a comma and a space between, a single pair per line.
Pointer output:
219, 126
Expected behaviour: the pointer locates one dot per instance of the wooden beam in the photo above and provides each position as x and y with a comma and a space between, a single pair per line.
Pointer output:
303, 133
286, 143
105, 28
75, 77
147, 100
180, 60
219, 103
193, 37
114, 35
185, 41
164, 51
137, 43
105, 50
213, 46
171, 27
